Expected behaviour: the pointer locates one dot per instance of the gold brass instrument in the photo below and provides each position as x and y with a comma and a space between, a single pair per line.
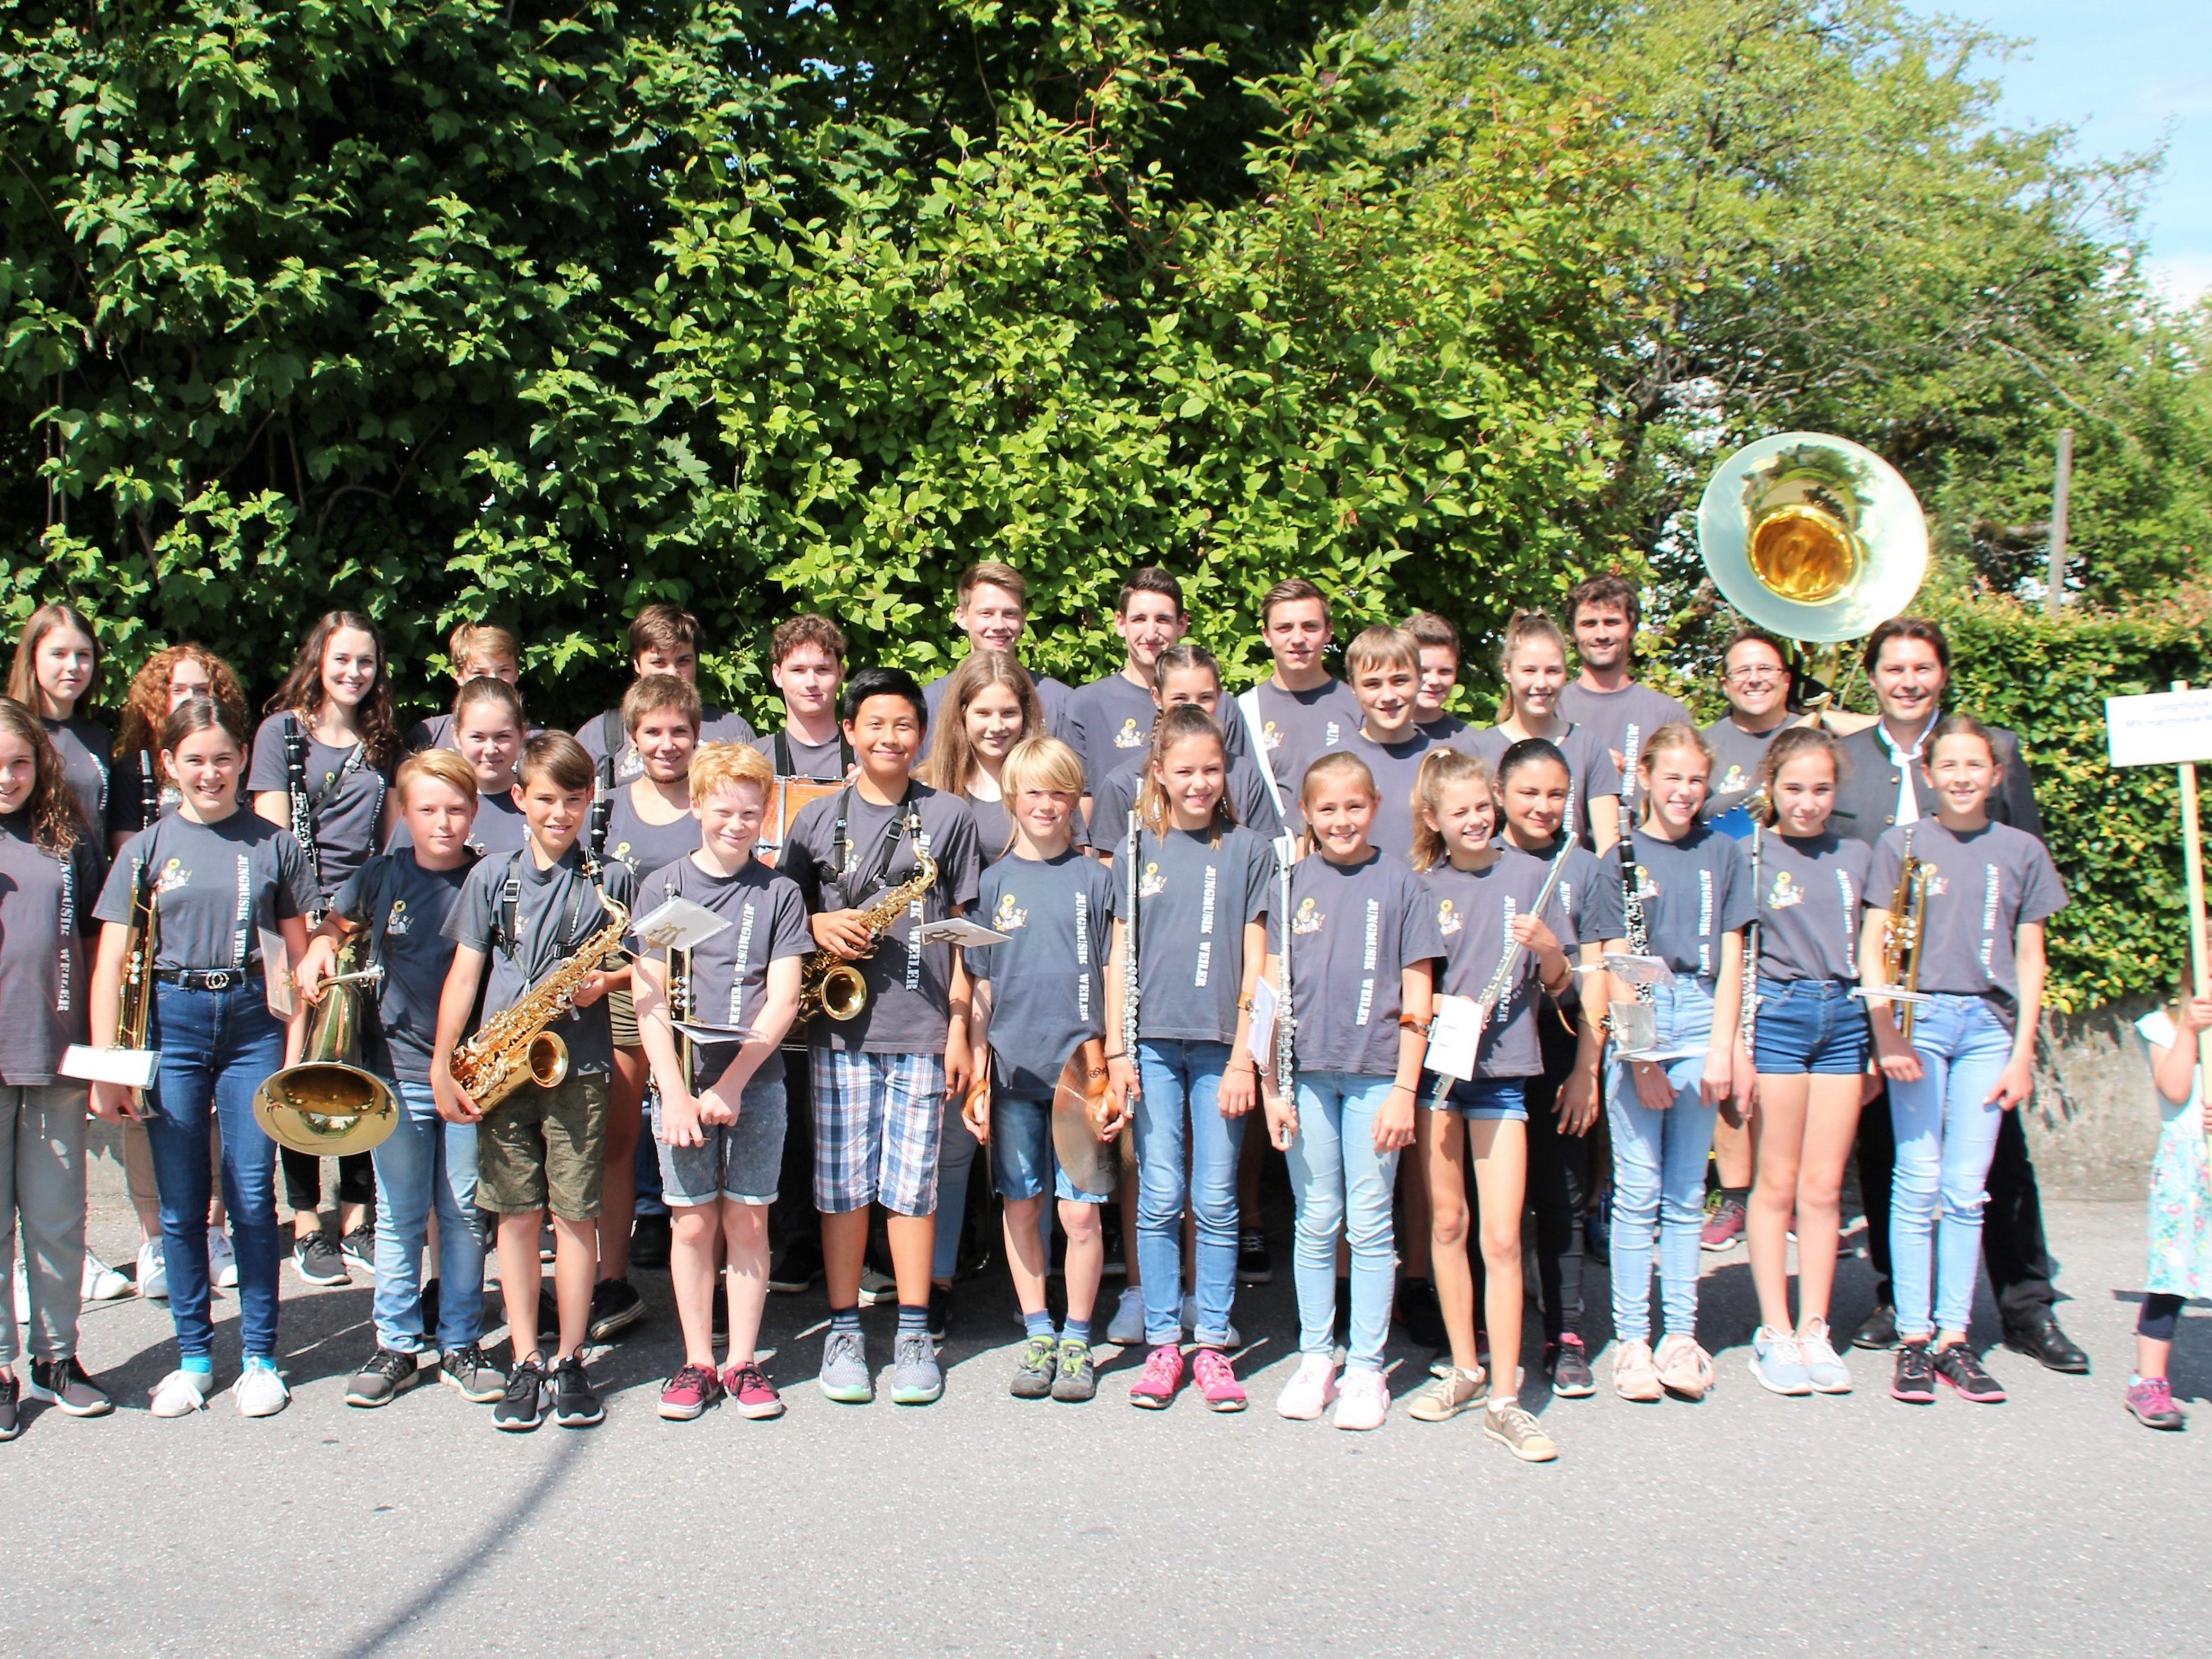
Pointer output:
830, 984
1906, 931
678, 968
327, 1105
127, 1060
515, 1046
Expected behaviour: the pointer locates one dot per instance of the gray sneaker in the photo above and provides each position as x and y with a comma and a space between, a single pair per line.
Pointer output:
1824, 1367
1040, 1364
1774, 1361
1078, 1373
915, 1379
845, 1375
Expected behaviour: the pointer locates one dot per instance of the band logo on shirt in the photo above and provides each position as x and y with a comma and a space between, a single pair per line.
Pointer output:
742, 965
1704, 921
1370, 952
1153, 883
1308, 919
1448, 920
174, 877
1008, 917
1786, 892
1083, 974
1129, 737
1271, 737
1992, 883
1332, 735
1733, 783
399, 922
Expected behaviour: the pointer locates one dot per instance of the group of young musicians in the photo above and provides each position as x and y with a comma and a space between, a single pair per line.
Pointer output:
1280, 909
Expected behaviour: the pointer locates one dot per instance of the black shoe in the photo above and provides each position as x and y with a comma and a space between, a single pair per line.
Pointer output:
386, 1374
1878, 1330
11, 1421
2041, 1341
575, 1402
649, 1242
522, 1408
318, 1261
1569, 1366
63, 1384
1914, 1382
796, 1269
1254, 1265
1418, 1309
940, 1310
616, 1306
476, 1378
1957, 1366
359, 1246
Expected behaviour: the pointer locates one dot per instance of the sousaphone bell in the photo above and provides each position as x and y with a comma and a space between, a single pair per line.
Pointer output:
327, 1106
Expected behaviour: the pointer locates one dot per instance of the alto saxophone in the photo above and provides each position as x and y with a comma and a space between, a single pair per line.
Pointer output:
514, 1046
829, 983
1905, 932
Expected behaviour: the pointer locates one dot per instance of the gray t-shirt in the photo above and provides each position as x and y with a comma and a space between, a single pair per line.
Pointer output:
345, 798
1395, 766
1736, 755
715, 726
1445, 727
823, 762
1194, 900
1053, 699
1108, 722
84, 747
498, 829
1354, 930
218, 887
411, 906
1591, 774
1694, 890
556, 911
46, 910
729, 973
1474, 911
1622, 720
1047, 992
1810, 892
1296, 728
1982, 887
1112, 797
909, 1000
647, 846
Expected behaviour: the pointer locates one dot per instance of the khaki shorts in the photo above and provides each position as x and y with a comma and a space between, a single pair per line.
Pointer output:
545, 1149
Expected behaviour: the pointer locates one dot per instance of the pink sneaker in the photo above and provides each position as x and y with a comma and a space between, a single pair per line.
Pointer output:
1217, 1381
688, 1393
1162, 1375
752, 1394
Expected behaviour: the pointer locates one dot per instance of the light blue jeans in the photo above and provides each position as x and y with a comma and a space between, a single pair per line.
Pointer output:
1178, 1117
427, 1161
1343, 1185
1659, 1173
1946, 1134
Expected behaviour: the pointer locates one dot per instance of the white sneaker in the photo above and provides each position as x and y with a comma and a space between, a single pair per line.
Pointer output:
181, 1393
260, 1391
223, 1261
101, 1283
1311, 1388
1364, 1401
1824, 1367
1190, 1321
1127, 1328
23, 1294
877, 1288
153, 1271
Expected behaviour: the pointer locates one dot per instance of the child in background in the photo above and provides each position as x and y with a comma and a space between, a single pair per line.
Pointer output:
2180, 1204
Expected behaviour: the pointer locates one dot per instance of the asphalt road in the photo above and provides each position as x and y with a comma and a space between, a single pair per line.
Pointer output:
1746, 1524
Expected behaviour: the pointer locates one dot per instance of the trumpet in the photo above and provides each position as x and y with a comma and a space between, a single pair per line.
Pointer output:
1906, 931
127, 1060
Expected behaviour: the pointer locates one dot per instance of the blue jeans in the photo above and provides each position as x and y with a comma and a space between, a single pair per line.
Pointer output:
1182, 1084
1659, 1173
1022, 1161
1342, 1184
217, 1047
427, 1161
1946, 1135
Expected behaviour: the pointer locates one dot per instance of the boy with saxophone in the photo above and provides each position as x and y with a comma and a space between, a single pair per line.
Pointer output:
543, 921
877, 860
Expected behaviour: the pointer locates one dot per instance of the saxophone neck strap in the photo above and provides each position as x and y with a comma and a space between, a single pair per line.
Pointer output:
508, 925
906, 820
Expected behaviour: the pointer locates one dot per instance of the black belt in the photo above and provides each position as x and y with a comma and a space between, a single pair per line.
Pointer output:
206, 979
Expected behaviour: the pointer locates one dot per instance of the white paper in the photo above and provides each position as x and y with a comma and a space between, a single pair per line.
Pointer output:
2164, 728
1638, 970
1260, 1035
276, 974
1454, 1036
681, 924
133, 1068
1662, 1056
957, 930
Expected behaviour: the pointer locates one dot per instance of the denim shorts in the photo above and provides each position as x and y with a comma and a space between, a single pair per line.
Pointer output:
740, 1161
1810, 1025
1484, 1099
1021, 1152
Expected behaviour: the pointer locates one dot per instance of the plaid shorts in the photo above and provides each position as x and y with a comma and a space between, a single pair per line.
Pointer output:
876, 1122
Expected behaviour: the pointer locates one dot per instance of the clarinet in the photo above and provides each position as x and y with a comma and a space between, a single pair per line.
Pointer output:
1749, 1022
1640, 1031
303, 812
1287, 1022
1132, 886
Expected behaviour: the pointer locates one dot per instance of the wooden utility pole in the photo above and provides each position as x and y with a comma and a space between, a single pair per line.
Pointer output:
2061, 496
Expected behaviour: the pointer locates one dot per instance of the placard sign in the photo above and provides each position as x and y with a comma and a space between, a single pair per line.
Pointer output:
2165, 728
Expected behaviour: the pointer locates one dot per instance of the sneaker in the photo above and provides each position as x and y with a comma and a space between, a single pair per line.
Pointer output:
1039, 1364
795, 1270
1515, 1430
1878, 1330
223, 1261
1634, 1376
101, 1283
152, 1278
1776, 1363
318, 1260
915, 1378
478, 1380
1448, 1396
687, 1394
388, 1373
1230, 1337
2150, 1401
1078, 1380
845, 1376
1824, 1367
877, 1288
1416, 1309
1364, 1401
940, 1311
1724, 1227
1914, 1382
616, 1306
1569, 1364
1685, 1369
359, 1246
63, 1384
522, 1406
575, 1401
260, 1391
752, 1392
1217, 1381
11, 1416
1155, 1387
1312, 1389
181, 1393
1127, 1329
649, 1238
1956, 1366
1254, 1265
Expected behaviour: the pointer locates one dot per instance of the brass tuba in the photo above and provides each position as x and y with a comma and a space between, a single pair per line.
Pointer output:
831, 985
327, 1105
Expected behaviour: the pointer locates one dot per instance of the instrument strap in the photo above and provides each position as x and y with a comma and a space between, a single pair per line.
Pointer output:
1248, 704
508, 937
297, 740
850, 883
787, 768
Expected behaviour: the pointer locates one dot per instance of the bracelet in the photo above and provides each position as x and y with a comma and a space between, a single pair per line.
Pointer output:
1117, 1054
1244, 1004
1407, 1087
1408, 1023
